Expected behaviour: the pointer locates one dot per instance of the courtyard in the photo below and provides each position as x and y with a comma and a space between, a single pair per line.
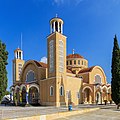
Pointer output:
86, 112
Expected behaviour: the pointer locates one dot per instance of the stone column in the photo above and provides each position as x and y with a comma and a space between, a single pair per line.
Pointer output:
90, 97
18, 55
101, 95
61, 28
15, 54
21, 55
58, 27
51, 28
27, 98
54, 26
94, 94
27, 92
20, 93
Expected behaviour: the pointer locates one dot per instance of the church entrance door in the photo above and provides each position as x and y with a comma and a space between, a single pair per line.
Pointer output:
33, 96
98, 98
23, 95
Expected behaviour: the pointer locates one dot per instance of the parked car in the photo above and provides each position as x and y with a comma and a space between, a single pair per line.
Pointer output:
5, 100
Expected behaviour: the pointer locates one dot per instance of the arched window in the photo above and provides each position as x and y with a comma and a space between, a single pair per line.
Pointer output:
82, 62
30, 76
61, 91
74, 62
97, 79
51, 90
56, 26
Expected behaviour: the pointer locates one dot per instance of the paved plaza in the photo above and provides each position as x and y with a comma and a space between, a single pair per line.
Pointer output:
108, 112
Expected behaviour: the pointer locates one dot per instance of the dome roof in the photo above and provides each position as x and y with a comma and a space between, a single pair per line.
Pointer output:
74, 56
18, 49
56, 19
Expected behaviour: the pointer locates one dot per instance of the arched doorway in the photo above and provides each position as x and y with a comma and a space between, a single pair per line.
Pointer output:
33, 96
24, 95
17, 95
98, 98
87, 95
104, 93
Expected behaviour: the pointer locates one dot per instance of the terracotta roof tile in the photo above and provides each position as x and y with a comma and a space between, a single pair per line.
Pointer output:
69, 71
86, 70
74, 56
43, 64
40, 64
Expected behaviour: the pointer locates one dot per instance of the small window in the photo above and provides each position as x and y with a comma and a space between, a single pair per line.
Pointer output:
98, 79
85, 63
78, 62
70, 62
61, 91
20, 65
81, 77
20, 55
17, 55
74, 62
51, 91
67, 62
82, 62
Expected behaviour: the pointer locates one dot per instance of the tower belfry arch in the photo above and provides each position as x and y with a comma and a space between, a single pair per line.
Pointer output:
56, 25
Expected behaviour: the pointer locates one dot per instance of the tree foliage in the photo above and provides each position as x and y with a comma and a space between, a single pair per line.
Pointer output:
3, 71
115, 83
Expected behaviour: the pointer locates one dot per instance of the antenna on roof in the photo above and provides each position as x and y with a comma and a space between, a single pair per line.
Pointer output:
73, 51
21, 40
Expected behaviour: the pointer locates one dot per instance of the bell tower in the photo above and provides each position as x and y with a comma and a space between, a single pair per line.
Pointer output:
56, 43
18, 63
56, 54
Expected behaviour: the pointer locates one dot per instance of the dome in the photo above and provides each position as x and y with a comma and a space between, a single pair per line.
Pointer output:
56, 19
74, 56
18, 49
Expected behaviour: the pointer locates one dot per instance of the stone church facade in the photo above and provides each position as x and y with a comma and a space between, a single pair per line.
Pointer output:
64, 79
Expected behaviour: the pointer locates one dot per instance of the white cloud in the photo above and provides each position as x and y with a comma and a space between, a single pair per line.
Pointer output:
44, 60
78, 1
60, 2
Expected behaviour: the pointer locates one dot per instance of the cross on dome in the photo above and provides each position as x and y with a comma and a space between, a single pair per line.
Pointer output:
73, 51
56, 15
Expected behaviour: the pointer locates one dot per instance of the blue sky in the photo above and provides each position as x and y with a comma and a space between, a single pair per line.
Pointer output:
90, 26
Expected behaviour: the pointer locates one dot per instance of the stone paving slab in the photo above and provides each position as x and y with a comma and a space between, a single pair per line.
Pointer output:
104, 113
10, 112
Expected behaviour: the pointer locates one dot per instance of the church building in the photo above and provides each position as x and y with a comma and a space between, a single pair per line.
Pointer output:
63, 80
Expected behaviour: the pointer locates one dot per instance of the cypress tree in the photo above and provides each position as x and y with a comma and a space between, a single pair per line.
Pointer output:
115, 83
3, 71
